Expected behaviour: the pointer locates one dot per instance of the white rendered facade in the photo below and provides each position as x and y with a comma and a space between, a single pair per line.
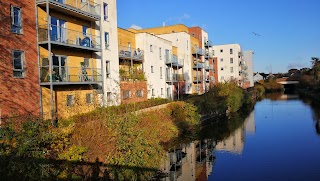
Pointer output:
181, 40
154, 63
228, 61
248, 58
110, 70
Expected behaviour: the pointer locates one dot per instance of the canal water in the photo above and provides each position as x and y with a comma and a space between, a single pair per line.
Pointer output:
278, 140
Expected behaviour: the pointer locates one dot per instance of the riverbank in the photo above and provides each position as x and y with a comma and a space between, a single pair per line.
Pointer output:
126, 140
309, 93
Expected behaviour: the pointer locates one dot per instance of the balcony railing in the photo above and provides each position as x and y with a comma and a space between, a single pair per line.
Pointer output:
70, 75
208, 44
77, 7
68, 37
131, 53
209, 54
198, 78
197, 51
174, 61
198, 65
174, 77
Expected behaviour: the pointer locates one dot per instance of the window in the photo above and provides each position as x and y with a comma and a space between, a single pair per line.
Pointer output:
160, 56
231, 51
126, 94
106, 39
139, 93
152, 92
89, 98
187, 44
232, 77
161, 91
221, 50
108, 69
231, 69
222, 78
151, 48
70, 100
108, 96
151, 69
105, 11
84, 30
231, 60
221, 59
16, 20
160, 72
83, 1
18, 64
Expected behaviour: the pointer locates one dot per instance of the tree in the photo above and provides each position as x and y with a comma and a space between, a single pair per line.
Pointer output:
315, 67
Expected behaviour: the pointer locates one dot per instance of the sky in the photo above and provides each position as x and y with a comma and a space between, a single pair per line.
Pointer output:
289, 29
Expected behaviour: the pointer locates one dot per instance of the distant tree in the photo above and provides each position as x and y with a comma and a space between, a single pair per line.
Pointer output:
315, 67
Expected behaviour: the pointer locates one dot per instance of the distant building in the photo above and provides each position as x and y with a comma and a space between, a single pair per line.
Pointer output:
247, 69
229, 59
257, 77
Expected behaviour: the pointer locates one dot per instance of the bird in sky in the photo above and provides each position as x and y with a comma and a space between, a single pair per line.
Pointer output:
256, 34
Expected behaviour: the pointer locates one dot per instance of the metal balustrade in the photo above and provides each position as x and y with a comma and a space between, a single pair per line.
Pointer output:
131, 53
68, 74
67, 37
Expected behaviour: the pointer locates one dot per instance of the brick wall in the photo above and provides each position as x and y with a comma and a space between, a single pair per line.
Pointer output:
19, 95
133, 87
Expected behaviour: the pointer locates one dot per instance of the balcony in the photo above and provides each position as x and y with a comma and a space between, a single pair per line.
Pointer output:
208, 44
131, 53
63, 37
174, 61
66, 75
174, 77
198, 65
128, 75
88, 10
209, 55
198, 51
208, 67
197, 79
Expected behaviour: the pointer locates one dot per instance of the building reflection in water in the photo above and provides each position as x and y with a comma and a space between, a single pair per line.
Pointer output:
194, 161
191, 161
235, 142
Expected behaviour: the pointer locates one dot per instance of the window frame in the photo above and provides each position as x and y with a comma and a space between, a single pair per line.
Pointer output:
22, 62
139, 93
105, 11
70, 98
126, 94
231, 60
106, 40
16, 27
152, 69
151, 48
108, 71
89, 98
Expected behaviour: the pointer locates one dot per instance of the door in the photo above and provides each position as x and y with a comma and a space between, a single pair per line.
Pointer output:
59, 68
58, 31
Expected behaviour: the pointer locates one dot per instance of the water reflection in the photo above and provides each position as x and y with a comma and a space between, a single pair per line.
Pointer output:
191, 161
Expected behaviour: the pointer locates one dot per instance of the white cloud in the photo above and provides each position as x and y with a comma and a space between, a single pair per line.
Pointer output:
133, 26
178, 19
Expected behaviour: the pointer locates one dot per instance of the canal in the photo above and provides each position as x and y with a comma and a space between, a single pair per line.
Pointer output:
278, 140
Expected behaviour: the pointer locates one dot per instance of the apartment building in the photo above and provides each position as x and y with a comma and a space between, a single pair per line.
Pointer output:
229, 59
207, 72
19, 78
190, 51
133, 84
70, 55
247, 69
110, 49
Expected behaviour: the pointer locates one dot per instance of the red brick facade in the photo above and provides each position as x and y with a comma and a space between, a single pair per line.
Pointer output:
19, 95
132, 88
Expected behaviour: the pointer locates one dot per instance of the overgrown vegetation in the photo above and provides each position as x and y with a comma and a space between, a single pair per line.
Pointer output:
270, 85
309, 83
115, 143
222, 99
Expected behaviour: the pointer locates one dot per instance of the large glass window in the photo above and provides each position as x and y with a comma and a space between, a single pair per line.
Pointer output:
16, 20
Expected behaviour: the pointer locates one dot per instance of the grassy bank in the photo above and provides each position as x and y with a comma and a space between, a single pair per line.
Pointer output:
109, 143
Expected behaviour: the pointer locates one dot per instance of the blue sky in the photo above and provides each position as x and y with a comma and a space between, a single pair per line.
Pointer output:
289, 29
